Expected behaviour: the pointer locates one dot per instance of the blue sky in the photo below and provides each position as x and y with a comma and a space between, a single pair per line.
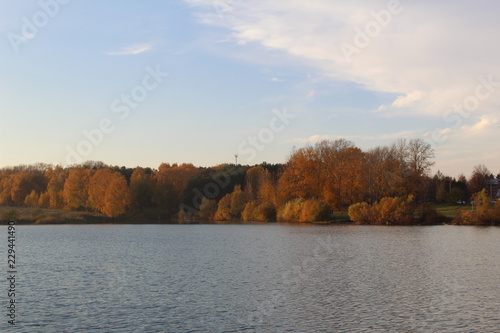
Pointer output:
369, 71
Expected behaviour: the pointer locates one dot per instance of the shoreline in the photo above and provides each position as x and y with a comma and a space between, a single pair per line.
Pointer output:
47, 216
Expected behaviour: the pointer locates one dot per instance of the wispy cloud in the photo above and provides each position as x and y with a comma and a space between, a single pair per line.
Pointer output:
435, 63
430, 65
318, 137
483, 126
135, 49
382, 137
404, 101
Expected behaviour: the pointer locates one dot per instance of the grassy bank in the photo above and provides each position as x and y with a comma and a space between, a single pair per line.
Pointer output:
29, 215
451, 211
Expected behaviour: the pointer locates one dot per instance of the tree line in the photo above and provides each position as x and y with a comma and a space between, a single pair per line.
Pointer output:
315, 181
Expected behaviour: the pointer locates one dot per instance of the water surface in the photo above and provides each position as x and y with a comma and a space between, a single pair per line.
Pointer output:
265, 278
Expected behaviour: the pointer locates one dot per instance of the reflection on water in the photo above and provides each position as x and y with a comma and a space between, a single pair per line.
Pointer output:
232, 278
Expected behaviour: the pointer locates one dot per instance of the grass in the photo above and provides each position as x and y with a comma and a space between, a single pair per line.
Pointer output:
47, 216
58, 216
339, 217
450, 210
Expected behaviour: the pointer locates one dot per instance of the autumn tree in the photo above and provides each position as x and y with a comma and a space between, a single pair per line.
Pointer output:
44, 200
477, 180
6, 179
331, 171
231, 205
384, 173
419, 162
213, 184
223, 212
301, 176
31, 200
97, 188
344, 184
253, 180
56, 178
75, 191
24, 182
141, 188
170, 184
109, 193
237, 202
208, 208
117, 197
260, 185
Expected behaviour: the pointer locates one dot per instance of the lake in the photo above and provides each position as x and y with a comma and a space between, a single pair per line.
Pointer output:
263, 277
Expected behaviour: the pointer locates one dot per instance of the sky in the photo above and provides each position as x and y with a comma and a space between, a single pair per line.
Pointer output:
138, 83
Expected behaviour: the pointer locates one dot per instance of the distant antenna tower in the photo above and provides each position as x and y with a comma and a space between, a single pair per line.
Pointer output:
236, 158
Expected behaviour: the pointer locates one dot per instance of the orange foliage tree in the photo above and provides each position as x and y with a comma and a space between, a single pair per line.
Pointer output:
56, 178
117, 198
109, 193
141, 189
23, 183
170, 183
75, 191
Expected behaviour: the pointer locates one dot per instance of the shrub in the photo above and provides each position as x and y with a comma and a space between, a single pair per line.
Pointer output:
291, 211
31, 200
248, 212
44, 200
237, 202
208, 208
483, 213
395, 210
223, 212
231, 205
300, 210
389, 210
479, 217
496, 213
466, 218
315, 210
427, 214
265, 212
361, 213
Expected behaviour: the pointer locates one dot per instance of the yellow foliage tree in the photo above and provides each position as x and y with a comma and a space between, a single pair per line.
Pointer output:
56, 179
223, 212
141, 188
31, 199
75, 191
117, 198
98, 186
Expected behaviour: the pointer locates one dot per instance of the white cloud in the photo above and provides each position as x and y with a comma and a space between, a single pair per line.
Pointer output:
318, 137
430, 52
407, 100
379, 137
135, 49
431, 55
482, 126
